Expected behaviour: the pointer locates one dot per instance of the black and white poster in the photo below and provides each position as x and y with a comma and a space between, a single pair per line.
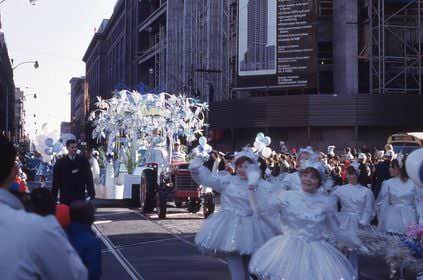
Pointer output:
257, 37
277, 44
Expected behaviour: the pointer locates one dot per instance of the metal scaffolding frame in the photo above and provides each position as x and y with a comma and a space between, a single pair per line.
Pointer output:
394, 46
197, 48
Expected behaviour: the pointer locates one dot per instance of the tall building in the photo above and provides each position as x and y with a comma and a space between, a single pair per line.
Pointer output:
79, 107
111, 55
184, 47
259, 55
179, 46
7, 92
336, 75
19, 115
357, 77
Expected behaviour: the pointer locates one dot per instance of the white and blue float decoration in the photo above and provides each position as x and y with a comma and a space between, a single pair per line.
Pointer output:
134, 116
414, 166
203, 150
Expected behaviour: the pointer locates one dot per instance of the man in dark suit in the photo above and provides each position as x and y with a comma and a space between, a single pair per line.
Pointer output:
382, 173
72, 176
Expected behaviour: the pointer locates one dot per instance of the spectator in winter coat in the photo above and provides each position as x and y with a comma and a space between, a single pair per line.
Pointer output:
83, 239
31, 246
381, 173
72, 177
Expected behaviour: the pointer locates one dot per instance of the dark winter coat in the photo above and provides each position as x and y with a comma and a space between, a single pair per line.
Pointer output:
72, 178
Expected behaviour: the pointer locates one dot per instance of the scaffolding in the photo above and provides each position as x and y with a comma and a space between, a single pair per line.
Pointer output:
197, 48
393, 46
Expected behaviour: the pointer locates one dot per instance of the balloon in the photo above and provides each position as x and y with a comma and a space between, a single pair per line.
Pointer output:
41, 139
48, 151
67, 136
414, 166
46, 128
202, 141
47, 158
267, 140
207, 148
259, 146
260, 137
57, 148
49, 142
266, 152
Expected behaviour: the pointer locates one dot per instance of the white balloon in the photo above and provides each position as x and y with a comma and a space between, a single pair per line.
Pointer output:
260, 137
267, 140
259, 146
67, 136
40, 139
40, 148
207, 148
46, 129
414, 166
202, 141
47, 158
267, 152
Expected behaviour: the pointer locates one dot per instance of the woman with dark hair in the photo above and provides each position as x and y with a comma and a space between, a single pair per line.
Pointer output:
357, 206
397, 203
235, 232
302, 251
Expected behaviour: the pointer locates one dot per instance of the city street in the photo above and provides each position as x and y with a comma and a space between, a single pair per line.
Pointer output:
140, 247
306, 113
143, 247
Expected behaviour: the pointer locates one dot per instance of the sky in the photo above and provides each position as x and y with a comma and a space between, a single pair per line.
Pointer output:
57, 34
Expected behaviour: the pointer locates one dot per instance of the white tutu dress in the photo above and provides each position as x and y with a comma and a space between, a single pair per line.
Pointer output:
357, 206
302, 252
398, 206
235, 229
357, 211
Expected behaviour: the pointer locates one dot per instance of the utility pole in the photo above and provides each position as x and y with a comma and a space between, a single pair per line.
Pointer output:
210, 88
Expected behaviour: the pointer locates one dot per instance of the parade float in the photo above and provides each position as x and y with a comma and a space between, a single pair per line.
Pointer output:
142, 130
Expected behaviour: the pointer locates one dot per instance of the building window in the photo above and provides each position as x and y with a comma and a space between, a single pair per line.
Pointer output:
325, 53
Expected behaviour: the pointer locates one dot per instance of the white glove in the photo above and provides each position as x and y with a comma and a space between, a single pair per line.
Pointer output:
253, 174
363, 223
195, 163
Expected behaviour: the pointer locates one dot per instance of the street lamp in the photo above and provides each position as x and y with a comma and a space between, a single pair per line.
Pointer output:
32, 2
33, 95
36, 64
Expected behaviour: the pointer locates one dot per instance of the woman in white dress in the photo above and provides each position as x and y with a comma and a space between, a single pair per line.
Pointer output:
357, 207
302, 252
235, 232
397, 204
95, 167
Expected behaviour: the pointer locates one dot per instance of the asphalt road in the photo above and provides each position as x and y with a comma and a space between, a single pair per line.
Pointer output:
140, 247
144, 247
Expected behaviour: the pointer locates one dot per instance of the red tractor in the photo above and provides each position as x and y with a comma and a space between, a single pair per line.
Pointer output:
159, 187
